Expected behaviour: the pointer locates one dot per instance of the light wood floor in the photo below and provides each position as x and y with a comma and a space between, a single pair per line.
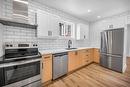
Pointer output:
94, 76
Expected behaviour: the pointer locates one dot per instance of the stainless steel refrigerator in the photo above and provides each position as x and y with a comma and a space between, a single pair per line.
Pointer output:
112, 49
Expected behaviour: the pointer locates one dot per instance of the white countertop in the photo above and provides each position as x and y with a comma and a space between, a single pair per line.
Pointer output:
53, 51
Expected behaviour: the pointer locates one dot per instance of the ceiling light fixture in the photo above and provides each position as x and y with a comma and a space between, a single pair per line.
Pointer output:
24, 2
89, 10
98, 16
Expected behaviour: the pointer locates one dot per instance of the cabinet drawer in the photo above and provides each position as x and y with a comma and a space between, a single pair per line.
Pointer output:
86, 61
47, 57
87, 51
86, 56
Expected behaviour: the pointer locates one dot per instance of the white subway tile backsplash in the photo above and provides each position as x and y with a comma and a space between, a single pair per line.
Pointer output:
18, 34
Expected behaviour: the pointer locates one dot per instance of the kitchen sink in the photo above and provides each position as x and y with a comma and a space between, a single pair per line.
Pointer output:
70, 48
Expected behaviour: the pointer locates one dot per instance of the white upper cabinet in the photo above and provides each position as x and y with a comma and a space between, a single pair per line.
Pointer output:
52, 26
82, 31
48, 24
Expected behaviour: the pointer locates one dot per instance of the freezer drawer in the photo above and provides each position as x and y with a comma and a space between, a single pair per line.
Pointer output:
116, 63
113, 62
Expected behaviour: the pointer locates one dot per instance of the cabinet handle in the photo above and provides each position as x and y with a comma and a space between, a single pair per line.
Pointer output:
87, 60
49, 33
42, 65
76, 53
46, 57
97, 50
86, 50
84, 36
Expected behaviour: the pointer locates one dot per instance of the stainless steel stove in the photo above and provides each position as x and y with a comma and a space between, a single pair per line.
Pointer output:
20, 65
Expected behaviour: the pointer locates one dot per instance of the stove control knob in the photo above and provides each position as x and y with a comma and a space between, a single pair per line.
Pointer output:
11, 45
7, 45
33, 45
36, 45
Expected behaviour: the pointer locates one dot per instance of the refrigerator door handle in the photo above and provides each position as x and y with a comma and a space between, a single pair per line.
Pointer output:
109, 45
111, 55
106, 41
116, 56
103, 54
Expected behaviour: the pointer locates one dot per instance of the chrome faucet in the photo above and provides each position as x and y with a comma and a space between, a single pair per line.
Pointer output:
69, 43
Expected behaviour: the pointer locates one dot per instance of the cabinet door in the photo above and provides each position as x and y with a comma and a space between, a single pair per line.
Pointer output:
55, 20
96, 56
84, 57
91, 55
82, 31
43, 23
78, 59
72, 56
46, 68
48, 24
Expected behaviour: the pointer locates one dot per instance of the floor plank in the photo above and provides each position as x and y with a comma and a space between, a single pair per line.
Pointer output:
95, 76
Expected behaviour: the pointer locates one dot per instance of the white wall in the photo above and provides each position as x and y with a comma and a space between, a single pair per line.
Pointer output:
96, 27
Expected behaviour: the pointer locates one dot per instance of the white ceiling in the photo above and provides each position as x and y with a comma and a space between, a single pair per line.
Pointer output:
79, 8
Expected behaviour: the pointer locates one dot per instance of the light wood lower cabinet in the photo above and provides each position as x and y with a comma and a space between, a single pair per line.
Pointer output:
96, 55
46, 68
87, 55
72, 60
91, 55
77, 59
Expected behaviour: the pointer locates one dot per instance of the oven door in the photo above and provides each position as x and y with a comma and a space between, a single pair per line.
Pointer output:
21, 70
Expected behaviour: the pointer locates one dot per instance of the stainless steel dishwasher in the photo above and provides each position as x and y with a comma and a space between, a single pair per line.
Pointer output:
60, 64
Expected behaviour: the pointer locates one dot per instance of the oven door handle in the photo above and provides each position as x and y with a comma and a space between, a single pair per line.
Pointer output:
27, 57
18, 63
